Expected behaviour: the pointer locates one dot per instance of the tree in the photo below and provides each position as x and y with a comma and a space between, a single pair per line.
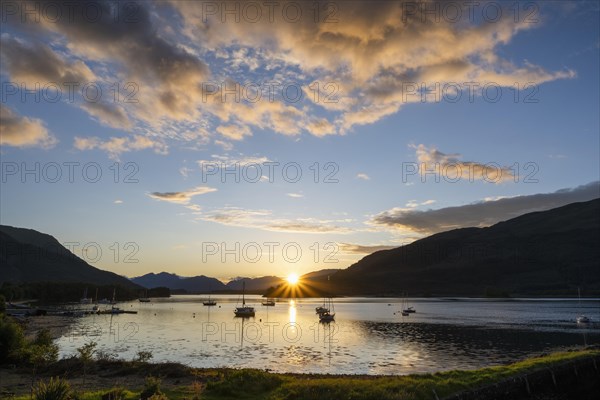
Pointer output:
86, 355
40, 352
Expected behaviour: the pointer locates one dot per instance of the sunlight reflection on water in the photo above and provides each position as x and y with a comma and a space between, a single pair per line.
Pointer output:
369, 335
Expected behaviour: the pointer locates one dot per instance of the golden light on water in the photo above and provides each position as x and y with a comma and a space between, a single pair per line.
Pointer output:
292, 312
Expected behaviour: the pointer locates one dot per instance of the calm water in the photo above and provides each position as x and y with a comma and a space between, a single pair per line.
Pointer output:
369, 335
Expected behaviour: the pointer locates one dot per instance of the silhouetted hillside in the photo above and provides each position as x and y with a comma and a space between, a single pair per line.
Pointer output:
542, 253
28, 256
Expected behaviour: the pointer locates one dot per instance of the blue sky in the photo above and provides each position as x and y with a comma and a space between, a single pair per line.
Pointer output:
369, 135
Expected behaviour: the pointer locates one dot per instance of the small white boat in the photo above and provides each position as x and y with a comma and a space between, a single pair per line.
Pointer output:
209, 303
582, 319
244, 311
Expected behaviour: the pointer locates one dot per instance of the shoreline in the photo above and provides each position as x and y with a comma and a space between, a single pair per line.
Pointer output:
573, 374
57, 325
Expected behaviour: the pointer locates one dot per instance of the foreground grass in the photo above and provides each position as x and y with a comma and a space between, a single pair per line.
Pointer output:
255, 384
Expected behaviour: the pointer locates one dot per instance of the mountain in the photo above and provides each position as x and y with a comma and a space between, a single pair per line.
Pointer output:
194, 284
541, 253
319, 273
29, 256
204, 284
254, 284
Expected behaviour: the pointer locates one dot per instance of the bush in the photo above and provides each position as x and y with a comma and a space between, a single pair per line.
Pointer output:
245, 381
55, 389
143, 356
12, 340
151, 389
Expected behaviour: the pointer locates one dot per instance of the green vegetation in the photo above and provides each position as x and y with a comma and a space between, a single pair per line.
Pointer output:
86, 355
219, 384
55, 389
12, 340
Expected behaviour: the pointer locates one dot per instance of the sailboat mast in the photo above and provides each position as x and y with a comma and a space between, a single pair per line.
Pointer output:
243, 292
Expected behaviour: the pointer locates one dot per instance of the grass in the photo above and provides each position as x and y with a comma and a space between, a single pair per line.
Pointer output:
221, 384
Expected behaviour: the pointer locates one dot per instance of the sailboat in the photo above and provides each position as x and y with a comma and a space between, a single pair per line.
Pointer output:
322, 309
408, 309
329, 314
269, 302
96, 308
85, 299
209, 302
145, 299
244, 311
115, 310
582, 319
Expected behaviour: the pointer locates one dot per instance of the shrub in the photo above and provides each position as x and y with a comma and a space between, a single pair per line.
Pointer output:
143, 356
55, 389
12, 340
151, 389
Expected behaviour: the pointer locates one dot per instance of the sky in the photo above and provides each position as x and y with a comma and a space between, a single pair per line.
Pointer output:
230, 139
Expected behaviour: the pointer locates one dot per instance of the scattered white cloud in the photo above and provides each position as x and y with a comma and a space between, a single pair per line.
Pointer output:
295, 195
115, 146
362, 176
227, 146
450, 168
362, 249
118, 201
183, 197
185, 171
265, 220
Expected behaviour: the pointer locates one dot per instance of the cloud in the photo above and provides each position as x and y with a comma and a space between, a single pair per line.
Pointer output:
118, 202
415, 203
362, 249
364, 177
376, 51
264, 220
356, 69
480, 214
225, 145
185, 171
20, 131
37, 63
234, 132
295, 195
182, 197
108, 114
115, 146
450, 168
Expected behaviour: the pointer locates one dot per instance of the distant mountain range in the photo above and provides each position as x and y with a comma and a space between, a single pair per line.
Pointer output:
541, 253
28, 256
549, 253
205, 284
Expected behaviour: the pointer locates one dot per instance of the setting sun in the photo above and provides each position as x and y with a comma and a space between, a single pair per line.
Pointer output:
293, 278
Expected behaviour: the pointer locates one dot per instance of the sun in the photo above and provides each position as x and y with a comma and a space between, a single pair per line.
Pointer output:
293, 278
